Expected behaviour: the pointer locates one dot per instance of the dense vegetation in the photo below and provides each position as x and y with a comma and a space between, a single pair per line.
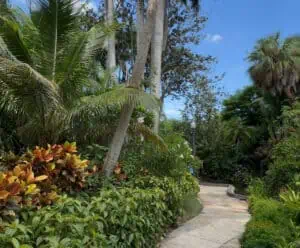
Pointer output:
70, 75
62, 80
251, 140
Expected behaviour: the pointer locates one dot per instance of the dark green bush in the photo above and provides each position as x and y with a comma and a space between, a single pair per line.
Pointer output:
116, 218
174, 161
269, 210
263, 234
256, 190
271, 225
285, 166
135, 215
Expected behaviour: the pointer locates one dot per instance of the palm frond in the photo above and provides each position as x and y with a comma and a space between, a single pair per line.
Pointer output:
12, 36
55, 20
4, 52
149, 135
25, 89
79, 55
33, 131
123, 95
276, 65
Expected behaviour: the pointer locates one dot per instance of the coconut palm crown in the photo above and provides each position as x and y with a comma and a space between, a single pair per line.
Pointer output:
45, 61
47, 65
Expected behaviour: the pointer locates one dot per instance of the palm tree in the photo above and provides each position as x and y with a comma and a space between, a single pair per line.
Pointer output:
276, 65
140, 22
156, 57
111, 41
44, 66
159, 40
134, 84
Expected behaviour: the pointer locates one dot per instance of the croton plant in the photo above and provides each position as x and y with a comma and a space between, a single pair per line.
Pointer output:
62, 166
20, 187
39, 175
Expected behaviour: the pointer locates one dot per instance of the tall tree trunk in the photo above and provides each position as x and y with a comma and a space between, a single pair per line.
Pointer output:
111, 42
138, 71
140, 23
156, 57
166, 25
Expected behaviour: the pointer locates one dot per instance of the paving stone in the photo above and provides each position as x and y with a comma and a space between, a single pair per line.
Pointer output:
220, 224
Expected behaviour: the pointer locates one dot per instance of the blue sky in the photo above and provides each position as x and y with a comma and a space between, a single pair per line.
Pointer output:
232, 29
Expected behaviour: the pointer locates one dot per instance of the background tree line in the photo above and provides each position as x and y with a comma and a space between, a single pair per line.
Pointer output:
70, 73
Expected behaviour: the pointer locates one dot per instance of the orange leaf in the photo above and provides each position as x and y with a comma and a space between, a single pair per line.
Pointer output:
117, 170
48, 158
3, 194
11, 179
14, 188
70, 147
40, 178
17, 171
30, 177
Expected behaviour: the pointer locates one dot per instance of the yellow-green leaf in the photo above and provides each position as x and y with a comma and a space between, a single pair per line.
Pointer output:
40, 178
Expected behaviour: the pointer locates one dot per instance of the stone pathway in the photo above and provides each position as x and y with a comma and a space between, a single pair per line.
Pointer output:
220, 225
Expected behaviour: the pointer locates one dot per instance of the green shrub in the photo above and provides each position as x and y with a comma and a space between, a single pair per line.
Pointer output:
291, 202
115, 218
256, 190
263, 234
177, 191
173, 162
134, 215
285, 154
271, 225
269, 210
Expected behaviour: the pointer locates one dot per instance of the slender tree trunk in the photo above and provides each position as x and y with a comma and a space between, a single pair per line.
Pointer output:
140, 26
166, 26
156, 57
140, 23
138, 71
111, 42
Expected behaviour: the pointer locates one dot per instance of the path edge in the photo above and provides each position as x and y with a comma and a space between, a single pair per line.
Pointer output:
231, 193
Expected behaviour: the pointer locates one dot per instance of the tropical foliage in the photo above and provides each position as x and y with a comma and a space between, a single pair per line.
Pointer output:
49, 67
132, 216
100, 78
275, 65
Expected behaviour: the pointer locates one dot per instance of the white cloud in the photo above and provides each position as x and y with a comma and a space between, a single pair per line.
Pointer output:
87, 5
214, 38
92, 5
172, 113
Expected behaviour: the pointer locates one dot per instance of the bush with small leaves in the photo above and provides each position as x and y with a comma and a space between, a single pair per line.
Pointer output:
177, 191
116, 218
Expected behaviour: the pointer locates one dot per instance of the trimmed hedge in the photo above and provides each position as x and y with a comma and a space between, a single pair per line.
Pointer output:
135, 215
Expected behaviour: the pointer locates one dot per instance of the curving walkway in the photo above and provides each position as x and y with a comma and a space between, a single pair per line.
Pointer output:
220, 224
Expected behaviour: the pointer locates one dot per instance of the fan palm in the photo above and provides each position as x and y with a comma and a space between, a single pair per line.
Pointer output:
276, 65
